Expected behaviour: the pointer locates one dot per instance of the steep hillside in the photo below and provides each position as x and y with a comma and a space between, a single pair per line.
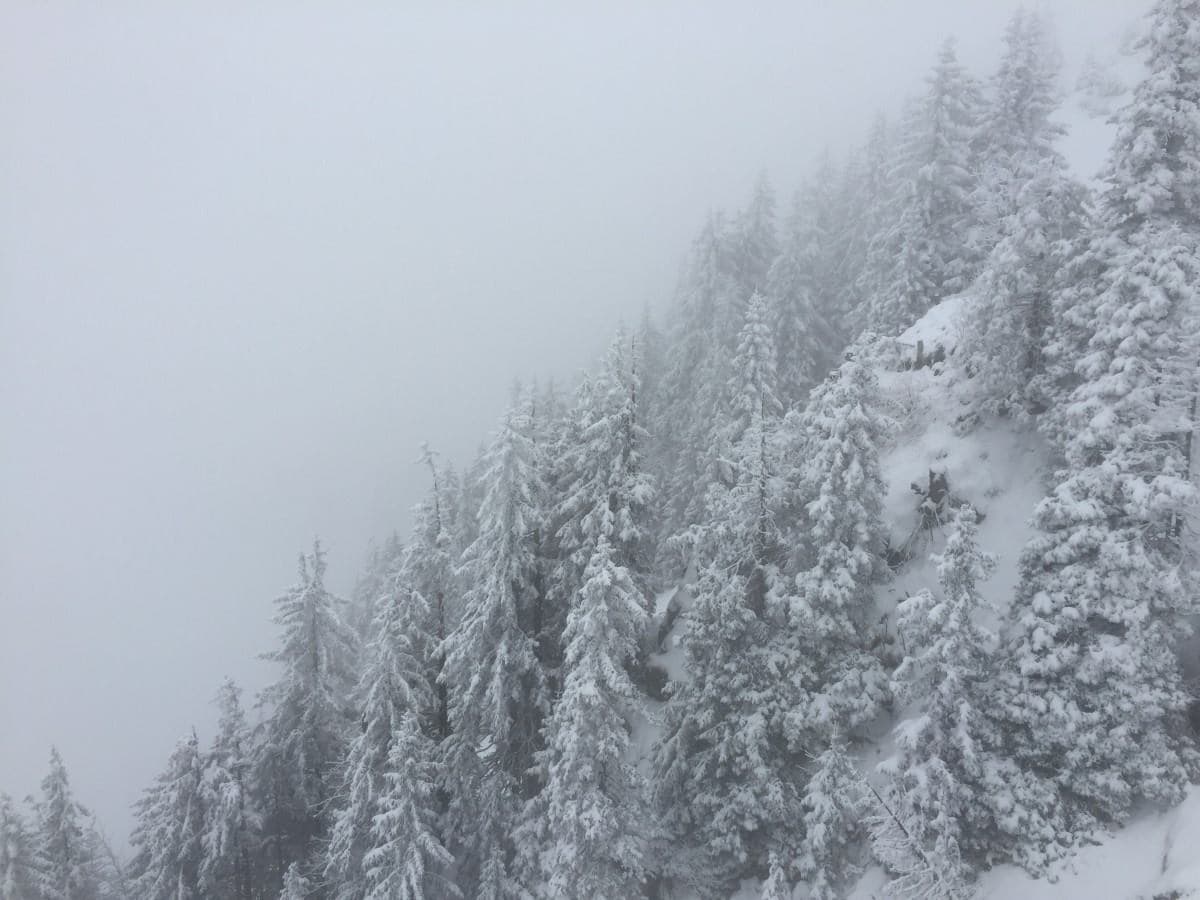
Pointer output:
1000, 469
937, 459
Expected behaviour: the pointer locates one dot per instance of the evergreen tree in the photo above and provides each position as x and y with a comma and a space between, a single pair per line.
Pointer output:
917, 873
730, 261
1017, 133
837, 440
63, 852
498, 689
170, 829
111, 879
877, 209
725, 781
1015, 327
1098, 87
407, 859
753, 406
934, 233
231, 824
725, 777
776, 885
833, 807
1092, 697
16, 853
603, 486
429, 569
651, 343
828, 198
1035, 216
589, 825
802, 336
592, 837
1152, 179
304, 737
395, 685
701, 348
957, 795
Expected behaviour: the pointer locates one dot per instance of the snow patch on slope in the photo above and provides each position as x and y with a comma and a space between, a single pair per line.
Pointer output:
993, 465
1154, 856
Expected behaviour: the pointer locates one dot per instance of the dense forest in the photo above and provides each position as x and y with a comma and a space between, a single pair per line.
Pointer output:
639, 647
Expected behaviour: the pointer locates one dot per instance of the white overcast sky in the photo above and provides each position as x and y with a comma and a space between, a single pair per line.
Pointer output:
252, 254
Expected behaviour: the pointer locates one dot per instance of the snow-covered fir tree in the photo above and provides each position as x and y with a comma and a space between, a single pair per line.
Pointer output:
802, 335
407, 859
729, 262
1098, 86
725, 777
753, 403
603, 486
497, 686
833, 818
875, 209
395, 685
169, 837
309, 719
916, 873
16, 853
64, 852
230, 841
1016, 332
113, 878
835, 443
590, 824
829, 195
592, 820
1033, 215
933, 236
959, 800
697, 371
429, 570
651, 344
1017, 129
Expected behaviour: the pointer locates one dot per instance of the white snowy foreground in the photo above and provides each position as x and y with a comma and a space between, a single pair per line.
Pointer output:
1158, 856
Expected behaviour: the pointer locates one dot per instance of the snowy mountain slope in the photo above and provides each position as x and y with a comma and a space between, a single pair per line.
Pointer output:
1000, 468
995, 466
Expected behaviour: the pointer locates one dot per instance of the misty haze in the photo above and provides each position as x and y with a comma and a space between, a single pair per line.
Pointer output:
676, 451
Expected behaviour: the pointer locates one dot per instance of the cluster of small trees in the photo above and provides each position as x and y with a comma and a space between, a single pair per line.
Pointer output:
463, 725
58, 851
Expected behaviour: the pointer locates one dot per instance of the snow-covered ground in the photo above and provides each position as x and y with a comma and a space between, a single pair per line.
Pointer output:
1154, 858
1157, 856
